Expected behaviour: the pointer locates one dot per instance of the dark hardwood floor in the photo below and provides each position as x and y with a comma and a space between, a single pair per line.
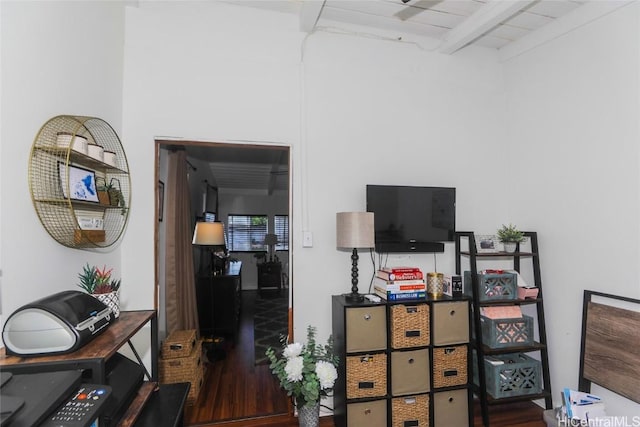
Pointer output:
234, 388
235, 393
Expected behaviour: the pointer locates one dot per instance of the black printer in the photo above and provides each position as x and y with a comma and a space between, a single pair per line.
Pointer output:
58, 324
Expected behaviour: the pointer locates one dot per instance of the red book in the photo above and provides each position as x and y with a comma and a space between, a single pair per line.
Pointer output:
400, 269
411, 275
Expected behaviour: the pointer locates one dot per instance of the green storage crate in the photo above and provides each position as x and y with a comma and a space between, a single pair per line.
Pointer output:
512, 374
505, 333
492, 286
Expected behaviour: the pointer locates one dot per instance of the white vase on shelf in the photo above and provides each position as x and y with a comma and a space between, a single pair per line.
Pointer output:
111, 300
509, 247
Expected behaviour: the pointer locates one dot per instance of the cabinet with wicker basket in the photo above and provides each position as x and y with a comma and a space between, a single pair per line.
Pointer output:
79, 181
405, 363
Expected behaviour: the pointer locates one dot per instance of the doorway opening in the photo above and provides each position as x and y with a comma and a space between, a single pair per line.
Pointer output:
228, 181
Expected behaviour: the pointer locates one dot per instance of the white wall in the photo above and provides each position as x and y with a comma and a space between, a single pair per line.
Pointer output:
219, 72
354, 110
196, 71
572, 121
385, 112
57, 58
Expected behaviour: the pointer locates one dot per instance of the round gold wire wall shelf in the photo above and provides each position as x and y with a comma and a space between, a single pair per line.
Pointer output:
79, 181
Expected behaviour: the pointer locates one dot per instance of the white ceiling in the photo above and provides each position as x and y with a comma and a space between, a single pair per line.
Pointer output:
244, 167
454, 23
449, 25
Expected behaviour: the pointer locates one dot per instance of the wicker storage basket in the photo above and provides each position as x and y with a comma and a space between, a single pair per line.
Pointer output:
409, 325
366, 375
194, 389
493, 286
410, 411
182, 369
504, 333
449, 366
179, 344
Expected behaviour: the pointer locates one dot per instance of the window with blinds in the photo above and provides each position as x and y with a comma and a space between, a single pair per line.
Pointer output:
281, 223
246, 232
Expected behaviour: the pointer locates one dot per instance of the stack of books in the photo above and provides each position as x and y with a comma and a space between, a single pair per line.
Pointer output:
400, 283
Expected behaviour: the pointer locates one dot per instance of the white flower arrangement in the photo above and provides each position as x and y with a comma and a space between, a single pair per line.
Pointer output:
307, 372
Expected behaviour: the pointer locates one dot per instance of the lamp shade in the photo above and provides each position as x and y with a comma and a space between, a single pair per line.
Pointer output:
270, 239
208, 234
354, 230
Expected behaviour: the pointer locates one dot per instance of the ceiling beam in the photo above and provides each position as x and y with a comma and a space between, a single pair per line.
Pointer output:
488, 16
583, 15
309, 14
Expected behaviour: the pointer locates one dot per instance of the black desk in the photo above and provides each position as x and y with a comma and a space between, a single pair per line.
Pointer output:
165, 408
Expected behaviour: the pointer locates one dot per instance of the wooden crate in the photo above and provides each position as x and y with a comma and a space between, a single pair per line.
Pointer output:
88, 236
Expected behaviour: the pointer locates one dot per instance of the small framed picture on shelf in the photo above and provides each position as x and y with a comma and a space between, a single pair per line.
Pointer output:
487, 243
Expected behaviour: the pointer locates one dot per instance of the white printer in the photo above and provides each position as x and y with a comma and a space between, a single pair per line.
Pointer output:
57, 324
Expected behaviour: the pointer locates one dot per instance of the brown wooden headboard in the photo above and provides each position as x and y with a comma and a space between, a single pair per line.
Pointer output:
610, 349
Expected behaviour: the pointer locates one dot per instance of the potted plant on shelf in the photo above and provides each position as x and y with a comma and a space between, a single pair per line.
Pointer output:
509, 235
103, 191
307, 372
99, 284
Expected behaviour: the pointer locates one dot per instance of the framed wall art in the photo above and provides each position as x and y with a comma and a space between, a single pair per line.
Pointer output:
160, 200
78, 183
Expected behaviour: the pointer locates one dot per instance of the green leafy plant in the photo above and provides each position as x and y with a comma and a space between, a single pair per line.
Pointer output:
306, 371
97, 281
510, 233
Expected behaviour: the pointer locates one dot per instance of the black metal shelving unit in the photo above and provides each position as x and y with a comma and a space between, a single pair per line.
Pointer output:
482, 350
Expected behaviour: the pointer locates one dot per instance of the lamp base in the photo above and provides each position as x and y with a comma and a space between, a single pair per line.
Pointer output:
354, 297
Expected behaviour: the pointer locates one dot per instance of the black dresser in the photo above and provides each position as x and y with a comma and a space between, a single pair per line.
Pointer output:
220, 302
269, 277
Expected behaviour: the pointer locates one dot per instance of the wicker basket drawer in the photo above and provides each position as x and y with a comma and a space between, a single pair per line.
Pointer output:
179, 344
410, 411
450, 366
409, 325
366, 375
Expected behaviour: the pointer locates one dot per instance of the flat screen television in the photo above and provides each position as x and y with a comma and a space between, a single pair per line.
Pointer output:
412, 219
